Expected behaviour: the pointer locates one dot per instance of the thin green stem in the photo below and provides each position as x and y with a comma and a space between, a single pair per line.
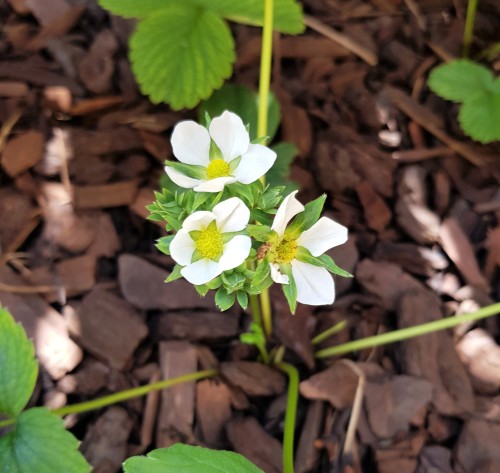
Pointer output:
264, 85
290, 415
7, 422
410, 332
469, 26
329, 332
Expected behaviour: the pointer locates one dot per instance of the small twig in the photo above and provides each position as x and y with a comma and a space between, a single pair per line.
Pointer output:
27, 289
7, 127
341, 38
414, 155
415, 10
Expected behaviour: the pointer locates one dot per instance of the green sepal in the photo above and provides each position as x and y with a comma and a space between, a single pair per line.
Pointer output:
223, 299
175, 274
324, 261
201, 289
262, 217
163, 244
190, 170
259, 232
215, 283
306, 219
290, 289
262, 272
242, 298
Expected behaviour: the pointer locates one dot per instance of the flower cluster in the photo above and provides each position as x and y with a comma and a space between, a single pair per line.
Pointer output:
233, 234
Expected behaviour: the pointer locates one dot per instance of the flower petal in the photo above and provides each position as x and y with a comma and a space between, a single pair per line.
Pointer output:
286, 211
230, 135
276, 274
191, 143
231, 215
214, 185
322, 236
201, 272
198, 221
182, 248
235, 252
254, 164
315, 285
181, 179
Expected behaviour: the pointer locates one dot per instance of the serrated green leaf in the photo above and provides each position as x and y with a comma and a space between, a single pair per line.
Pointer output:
134, 8
181, 54
18, 366
40, 443
460, 80
306, 219
479, 117
223, 299
189, 459
244, 102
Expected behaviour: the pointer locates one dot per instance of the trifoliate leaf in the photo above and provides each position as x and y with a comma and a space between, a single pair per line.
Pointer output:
181, 54
460, 80
189, 459
479, 117
244, 102
40, 443
18, 366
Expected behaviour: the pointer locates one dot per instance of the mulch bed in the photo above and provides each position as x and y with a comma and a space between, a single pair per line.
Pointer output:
82, 153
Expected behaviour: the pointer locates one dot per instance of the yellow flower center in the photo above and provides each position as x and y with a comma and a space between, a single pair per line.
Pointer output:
285, 251
209, 243
218, 168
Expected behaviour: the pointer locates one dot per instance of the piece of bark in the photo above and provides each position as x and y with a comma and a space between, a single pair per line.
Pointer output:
457, 246
45, 12
197, 326
13, 89
492, 244
143, 285
434, 459
106, 242
144, 197
105, 442
386, 281
477, 448
346, 256
176, 415
91, 377
105, 195
22, 152
480, 354
150, 411
157, 145
213, 411
401, 456
295, 125
392, 404
412, 212
118, 139
376, 211
262, 449
108, 327
91, 171
94, 105
254, 379
307, 453
433, 356
57, 353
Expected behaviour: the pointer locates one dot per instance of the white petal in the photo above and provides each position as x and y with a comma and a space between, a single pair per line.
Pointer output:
286, 211
201, 272
232, 215
276, 275
254, 164
322, 236
198, 220
314, 284
191, 143
182, 248
181, 179
214, 185
235, 251
230, 135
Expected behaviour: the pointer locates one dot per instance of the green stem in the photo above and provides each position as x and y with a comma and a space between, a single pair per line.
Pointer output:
290, 415
264, 85
469, 26
410, 332
329, 332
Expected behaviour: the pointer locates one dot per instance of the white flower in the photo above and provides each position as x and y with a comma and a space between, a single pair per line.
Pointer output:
232, 159
314, 284
206, 245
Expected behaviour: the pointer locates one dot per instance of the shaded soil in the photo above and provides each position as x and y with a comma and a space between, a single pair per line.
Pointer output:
82, 153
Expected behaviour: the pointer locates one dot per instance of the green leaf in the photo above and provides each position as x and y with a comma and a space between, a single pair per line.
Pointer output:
163, 244
290, 289
242, 298
189, 459
134, 8
40, 443
18, 366
261, 273
223, 299
479, 117
259, 232
325, 261
181, 54
244, 102
460, 80
306, 219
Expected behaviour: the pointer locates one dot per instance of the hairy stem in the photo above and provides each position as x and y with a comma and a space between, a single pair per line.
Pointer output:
410, 332
469, 26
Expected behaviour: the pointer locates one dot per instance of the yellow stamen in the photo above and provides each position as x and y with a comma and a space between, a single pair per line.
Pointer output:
285, 251
218, 168
209, 243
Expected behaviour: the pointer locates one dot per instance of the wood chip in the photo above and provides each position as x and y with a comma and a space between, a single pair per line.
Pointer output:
13, 89
119, 139
106, 242
254, 379
176, 416
307, 453
434, 459
22, 152
91, 377
105, 196
376, 211
107, 327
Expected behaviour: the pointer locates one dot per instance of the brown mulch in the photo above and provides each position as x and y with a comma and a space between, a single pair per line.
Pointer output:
81, 153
